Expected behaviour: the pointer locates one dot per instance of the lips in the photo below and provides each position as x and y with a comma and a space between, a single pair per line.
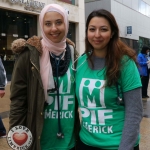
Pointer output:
55, 35
97, 42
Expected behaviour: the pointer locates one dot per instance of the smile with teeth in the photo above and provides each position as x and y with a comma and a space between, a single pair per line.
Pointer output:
55, 35
97, 41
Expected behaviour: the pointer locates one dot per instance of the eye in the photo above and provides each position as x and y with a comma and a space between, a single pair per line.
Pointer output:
48, 24
104, 29
59, 22
91, 29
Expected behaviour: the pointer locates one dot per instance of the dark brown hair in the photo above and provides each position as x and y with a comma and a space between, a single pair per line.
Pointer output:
144, 49
116, 48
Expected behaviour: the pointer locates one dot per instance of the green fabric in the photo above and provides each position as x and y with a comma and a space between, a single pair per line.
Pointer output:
102, 118
49, 140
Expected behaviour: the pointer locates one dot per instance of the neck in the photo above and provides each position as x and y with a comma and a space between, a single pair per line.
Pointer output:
99, 53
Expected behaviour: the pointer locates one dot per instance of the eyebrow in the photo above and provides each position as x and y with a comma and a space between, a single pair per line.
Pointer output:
100, 26
55, 20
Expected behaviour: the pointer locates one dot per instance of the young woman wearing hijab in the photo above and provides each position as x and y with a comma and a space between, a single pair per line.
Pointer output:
108, 88
42, 85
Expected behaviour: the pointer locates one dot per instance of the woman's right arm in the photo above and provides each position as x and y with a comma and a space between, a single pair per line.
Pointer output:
18, 90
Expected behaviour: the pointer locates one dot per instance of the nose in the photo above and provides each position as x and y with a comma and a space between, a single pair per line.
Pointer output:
54, 26
97, 33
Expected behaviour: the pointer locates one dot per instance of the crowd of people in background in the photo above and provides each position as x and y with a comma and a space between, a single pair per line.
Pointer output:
103, 87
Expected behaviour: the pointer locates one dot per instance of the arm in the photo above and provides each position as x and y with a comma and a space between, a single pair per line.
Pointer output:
3, 80
131, 89
141, 60
133, 117
18, 89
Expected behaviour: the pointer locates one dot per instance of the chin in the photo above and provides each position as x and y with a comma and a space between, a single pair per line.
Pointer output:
55, 41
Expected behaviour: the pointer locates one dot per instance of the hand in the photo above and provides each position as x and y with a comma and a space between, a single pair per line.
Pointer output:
2, 93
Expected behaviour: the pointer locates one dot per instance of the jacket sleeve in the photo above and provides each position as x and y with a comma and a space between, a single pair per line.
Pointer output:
18, 90
3, 79
141, 60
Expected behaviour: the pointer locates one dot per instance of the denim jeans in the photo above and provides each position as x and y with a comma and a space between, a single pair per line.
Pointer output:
2, 128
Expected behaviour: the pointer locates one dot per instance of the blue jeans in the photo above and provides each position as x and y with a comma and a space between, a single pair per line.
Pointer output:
2, 128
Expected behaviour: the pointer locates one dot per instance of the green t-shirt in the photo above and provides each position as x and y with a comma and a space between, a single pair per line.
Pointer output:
49, 140
102, 118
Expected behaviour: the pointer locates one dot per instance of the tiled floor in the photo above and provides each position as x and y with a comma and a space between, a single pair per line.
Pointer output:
145, 124
145, 134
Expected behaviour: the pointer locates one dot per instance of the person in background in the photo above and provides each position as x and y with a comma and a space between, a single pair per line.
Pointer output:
143, 69
42, 85
3, 82
108, 88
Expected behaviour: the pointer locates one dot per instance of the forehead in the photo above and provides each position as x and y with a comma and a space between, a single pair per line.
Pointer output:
99, 21
52, 16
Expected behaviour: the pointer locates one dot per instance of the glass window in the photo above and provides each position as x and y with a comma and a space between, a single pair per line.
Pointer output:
71, 32
147, 11
143, 41
14, 25
142, 7
131, 43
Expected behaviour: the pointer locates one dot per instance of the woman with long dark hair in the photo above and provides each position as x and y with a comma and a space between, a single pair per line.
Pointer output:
108, 88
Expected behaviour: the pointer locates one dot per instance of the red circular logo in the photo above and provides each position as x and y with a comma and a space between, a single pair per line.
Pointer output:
19, 137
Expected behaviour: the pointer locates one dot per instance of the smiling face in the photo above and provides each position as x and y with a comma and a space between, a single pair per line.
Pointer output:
99, 34
54, 26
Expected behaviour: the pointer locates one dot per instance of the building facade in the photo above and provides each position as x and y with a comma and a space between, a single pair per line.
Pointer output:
132, 16
19, 19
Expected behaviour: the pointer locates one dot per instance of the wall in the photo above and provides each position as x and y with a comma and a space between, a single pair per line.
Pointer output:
147, 1
103, 4
126, 16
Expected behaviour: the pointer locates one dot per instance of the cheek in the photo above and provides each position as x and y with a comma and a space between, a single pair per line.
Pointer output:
63, 32
63, 29
89, 36
45, 29
107, 37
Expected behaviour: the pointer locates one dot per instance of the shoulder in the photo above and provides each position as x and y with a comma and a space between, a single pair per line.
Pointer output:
140, 55
127, 62
126, 59
82, 58
19, 45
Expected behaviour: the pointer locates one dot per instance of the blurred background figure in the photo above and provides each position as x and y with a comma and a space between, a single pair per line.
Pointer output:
3, 82
143, 69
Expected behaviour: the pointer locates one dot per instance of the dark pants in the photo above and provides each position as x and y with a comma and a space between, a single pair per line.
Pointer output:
2, 128
82, 146
144, 80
